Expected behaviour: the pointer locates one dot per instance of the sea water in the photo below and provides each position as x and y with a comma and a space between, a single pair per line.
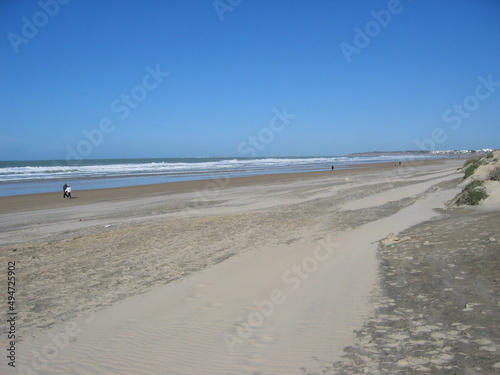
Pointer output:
29, 177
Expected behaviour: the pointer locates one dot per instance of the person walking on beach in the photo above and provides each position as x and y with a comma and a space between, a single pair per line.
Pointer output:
67, 192
65, 186
333, 167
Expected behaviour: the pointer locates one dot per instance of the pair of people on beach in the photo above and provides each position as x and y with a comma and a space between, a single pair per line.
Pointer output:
67, 191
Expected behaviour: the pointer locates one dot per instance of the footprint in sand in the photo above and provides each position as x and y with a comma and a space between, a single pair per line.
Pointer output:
194, 292
194, 295
262, 340
212, 305
254, 359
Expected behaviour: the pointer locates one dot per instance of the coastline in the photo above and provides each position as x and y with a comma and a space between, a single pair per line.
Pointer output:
38, 201
181, 269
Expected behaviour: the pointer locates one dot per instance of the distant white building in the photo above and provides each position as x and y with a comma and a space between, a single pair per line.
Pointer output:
460, 152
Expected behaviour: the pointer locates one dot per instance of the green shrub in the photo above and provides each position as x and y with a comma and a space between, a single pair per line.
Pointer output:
472, 194
490, 155
470, 161
474, 184
470, 167
495, 174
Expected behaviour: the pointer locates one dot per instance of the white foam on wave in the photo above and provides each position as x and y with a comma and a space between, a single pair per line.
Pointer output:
27, 173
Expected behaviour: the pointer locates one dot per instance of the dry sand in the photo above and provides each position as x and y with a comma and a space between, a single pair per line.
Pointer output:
261, 275
437, 309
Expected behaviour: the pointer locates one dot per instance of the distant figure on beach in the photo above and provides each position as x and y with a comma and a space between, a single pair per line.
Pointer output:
399, 163
65, 186
67, 192
333, 167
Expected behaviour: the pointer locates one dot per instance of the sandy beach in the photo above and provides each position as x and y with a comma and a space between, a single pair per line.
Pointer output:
276, 274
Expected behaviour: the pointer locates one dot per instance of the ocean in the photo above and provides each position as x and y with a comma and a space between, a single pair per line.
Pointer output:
29, 177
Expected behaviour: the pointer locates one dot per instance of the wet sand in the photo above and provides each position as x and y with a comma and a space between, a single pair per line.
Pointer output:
32, 202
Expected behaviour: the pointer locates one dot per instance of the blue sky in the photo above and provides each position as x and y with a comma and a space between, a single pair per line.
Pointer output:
155, 78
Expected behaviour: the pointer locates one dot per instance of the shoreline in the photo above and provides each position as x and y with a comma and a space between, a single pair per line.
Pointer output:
39, 201
184, 272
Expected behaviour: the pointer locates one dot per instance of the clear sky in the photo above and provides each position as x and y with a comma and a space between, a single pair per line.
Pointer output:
160, 78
